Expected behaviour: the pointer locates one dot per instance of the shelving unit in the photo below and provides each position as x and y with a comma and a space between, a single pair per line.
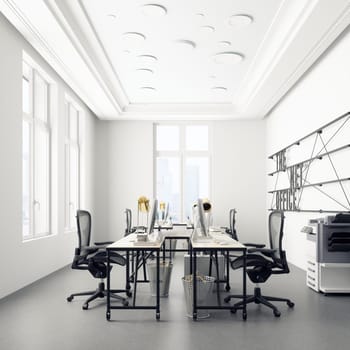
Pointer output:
288, 198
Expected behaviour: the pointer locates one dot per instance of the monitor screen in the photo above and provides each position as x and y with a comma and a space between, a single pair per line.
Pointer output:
153, 216
201, 217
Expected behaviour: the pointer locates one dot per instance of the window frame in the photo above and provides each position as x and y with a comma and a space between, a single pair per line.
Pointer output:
70, 143
182, 153
35, 124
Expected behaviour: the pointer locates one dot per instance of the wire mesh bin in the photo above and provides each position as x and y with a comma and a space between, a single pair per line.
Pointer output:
165, 269
205, 286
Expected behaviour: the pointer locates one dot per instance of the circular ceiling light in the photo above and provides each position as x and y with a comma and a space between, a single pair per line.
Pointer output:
186, 44
147, 88
200, 15
154, 10
228, 57
225, 43
145, 71
134, 37
147, 58
240, 20
219, 88
112, 16
207, 29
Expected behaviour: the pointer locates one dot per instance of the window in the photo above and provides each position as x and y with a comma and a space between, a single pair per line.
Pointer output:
182, 166
72, 164
36, 154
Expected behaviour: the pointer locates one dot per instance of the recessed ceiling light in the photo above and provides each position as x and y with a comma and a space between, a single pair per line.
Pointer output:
228, 57
225, 43
112, 16
207, 29
147, 58
134, 37
200, 15
240, 20
186, 44
147, 88
219, 88
145, 71
154, 10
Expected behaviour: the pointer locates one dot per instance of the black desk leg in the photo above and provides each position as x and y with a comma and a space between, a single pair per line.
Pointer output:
190, 251
108, 312
158, 288
135, 277
217, 277
194, 282
228, 287
128, 287
244, 314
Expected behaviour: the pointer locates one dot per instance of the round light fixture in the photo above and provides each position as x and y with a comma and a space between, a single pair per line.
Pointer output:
145, 71
219, 88
147, 58
225, 43
200, 15
185, 44
154, 10
207, 29
147, 88
228, 57
134, 37
112, 16
240, 20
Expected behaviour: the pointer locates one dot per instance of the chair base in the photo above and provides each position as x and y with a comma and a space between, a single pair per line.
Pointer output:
258, 298
100, 292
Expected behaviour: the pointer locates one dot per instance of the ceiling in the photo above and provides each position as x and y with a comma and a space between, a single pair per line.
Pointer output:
183, 59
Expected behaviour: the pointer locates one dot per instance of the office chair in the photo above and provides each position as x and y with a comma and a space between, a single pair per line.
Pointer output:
129, 229
262, 263
94, 259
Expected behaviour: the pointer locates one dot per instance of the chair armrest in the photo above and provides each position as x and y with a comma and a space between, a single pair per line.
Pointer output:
264, 251
103, 243
254, 245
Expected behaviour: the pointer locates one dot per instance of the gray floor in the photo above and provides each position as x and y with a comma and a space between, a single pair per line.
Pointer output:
38, 317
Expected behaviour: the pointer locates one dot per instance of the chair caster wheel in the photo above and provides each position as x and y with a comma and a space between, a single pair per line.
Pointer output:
233, 310
277, 313
125, 303
290, 304
227, 299
228, 287
108, 316
129, 294
70, 298
85, 306
157, 316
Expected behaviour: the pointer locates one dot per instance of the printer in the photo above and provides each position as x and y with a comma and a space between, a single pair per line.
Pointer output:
328, 254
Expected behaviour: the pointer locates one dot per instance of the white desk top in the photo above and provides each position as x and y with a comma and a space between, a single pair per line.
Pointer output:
130, 242
178, 232
217, 241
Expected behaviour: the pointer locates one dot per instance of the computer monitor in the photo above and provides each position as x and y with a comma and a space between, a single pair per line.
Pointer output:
201, 218
153, 216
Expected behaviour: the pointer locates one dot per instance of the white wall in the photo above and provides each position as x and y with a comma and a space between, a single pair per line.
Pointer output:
22, 263
124, 166
321, 96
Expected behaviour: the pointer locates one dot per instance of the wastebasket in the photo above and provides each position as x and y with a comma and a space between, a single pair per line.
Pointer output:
165, 269
205, 286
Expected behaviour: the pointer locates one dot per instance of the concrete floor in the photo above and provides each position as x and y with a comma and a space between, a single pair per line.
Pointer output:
39, 317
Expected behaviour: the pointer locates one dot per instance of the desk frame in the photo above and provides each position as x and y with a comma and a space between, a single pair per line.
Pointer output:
131, 249
219, 306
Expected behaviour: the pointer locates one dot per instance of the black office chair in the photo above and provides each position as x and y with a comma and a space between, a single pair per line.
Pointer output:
231, 231
129, 229
94, 259
262, 263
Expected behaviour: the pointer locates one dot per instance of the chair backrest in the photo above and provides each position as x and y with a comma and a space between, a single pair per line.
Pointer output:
128, 217
276, 225
84, 228
232, 221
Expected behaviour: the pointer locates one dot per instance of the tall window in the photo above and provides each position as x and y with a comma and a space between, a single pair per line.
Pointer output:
182, 166
36, 153
72, 165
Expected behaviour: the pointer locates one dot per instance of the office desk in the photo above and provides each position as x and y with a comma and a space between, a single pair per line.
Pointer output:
231, 245
127, 244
